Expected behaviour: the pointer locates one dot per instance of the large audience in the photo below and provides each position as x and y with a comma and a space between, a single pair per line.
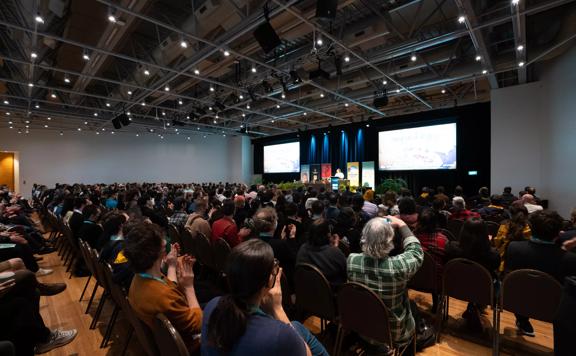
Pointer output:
376, 240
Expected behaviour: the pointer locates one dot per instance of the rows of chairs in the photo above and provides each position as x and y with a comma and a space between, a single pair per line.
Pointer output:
162, 340
356, 308
454, 229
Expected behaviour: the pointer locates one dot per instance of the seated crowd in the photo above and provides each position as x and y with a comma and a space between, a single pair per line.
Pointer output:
350, 237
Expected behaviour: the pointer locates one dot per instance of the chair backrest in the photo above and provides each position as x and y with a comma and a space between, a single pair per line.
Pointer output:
98, 269
455, 227
204, 253
449, 235
174, 235
468, 281
362, 311
85, 252
344, 247
492, 228
531, 293
167, 338
425, 280
187, 245
143, 333
221, 251
313, 292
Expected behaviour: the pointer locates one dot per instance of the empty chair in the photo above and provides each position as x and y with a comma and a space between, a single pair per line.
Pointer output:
204, 253
314, 294
530, 293
167, 338
426, 279
468, 281
363, 312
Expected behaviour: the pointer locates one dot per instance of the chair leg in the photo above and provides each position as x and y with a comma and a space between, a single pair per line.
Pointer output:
338, 343
110, 326
85, 287
496, 336
440, 316
128, 338
92, 297
99, 310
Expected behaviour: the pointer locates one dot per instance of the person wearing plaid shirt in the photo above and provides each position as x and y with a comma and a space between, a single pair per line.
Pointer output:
388, 275
180, 216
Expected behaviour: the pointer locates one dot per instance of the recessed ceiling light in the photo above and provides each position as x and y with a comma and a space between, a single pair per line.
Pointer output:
413, 58
66, 80
196, 71
520, 48
39, 19
33, 55
180, 102
184, 44
253, 70
166, 88
443, 91
521, 64
319, 42
6, 102
129, 92
112, 18
485, 71
347, 59
108, 104
226, 53
478, 58
461, 19
146, 72
95, 114
85, 56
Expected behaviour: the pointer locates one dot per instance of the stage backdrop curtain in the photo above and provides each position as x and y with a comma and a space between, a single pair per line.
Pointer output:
357, 151
312, 151
342, 152
325, 158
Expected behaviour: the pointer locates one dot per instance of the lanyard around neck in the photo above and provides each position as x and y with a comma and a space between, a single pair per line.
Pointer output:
149, 276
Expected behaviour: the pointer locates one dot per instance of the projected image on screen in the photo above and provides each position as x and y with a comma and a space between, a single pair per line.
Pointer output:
427, 147
283, 158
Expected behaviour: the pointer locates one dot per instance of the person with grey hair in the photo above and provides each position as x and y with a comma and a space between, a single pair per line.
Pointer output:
460, 212
388, 275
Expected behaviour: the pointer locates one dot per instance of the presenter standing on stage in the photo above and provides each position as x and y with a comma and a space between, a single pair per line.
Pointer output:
339, 174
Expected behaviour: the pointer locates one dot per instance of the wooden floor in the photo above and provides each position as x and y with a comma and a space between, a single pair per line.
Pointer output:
65, 311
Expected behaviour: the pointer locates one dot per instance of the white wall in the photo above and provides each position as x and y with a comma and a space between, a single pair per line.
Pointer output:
46, 157
241, 157
534, 135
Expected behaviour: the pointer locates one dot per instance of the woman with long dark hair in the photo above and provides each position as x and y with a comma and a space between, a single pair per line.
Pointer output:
251, 320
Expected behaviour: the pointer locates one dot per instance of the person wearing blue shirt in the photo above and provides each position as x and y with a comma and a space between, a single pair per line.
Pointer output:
112, 201
251, 320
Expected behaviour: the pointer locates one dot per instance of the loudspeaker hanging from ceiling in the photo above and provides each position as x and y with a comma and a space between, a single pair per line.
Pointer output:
266, 35
121, 120
380, 98
326, 9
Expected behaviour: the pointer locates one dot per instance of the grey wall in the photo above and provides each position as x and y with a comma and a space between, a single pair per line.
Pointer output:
534, 135
46, 157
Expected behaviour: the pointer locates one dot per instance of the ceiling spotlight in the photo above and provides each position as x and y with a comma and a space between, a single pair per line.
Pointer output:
38, 18
8, 114
143, 103
49, 118
211, 88
184, 44
112, 18
196, 71
10, 122
485, 71
53, 95
95, 114
398, 91
321, 95
443, 91
97, 133
346, 104
85, 56
180, 102
241, 97
137, 135
277, 106
413, 58
215, 122
163, 113
515, 2
478, 58
384, 81
248, 106
305, 113
243, 115
129, 92
30, 85
33, 55
347, 59
283, 96
108, 104
253, 70
166, 88
66, 80
319, 41
112, 132
103, 129
461, 19
146, 72
37, 106
61, 133
128, 113
226, 53
85, 122
272, 121
520, 48
79, 129
521, 64
6, 102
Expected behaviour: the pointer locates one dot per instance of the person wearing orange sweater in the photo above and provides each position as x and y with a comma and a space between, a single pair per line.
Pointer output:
152, 292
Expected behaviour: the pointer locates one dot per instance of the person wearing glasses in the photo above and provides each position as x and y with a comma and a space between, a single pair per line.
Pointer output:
250, 320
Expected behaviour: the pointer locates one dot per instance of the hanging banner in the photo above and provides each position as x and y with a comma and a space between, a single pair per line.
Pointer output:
326, 170
304, 173
368, 174
354, 173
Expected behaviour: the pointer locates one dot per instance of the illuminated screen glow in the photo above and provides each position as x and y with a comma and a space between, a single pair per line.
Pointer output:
282, 158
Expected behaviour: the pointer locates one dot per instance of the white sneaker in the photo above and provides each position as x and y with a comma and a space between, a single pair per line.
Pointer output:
57, 338
44, 272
